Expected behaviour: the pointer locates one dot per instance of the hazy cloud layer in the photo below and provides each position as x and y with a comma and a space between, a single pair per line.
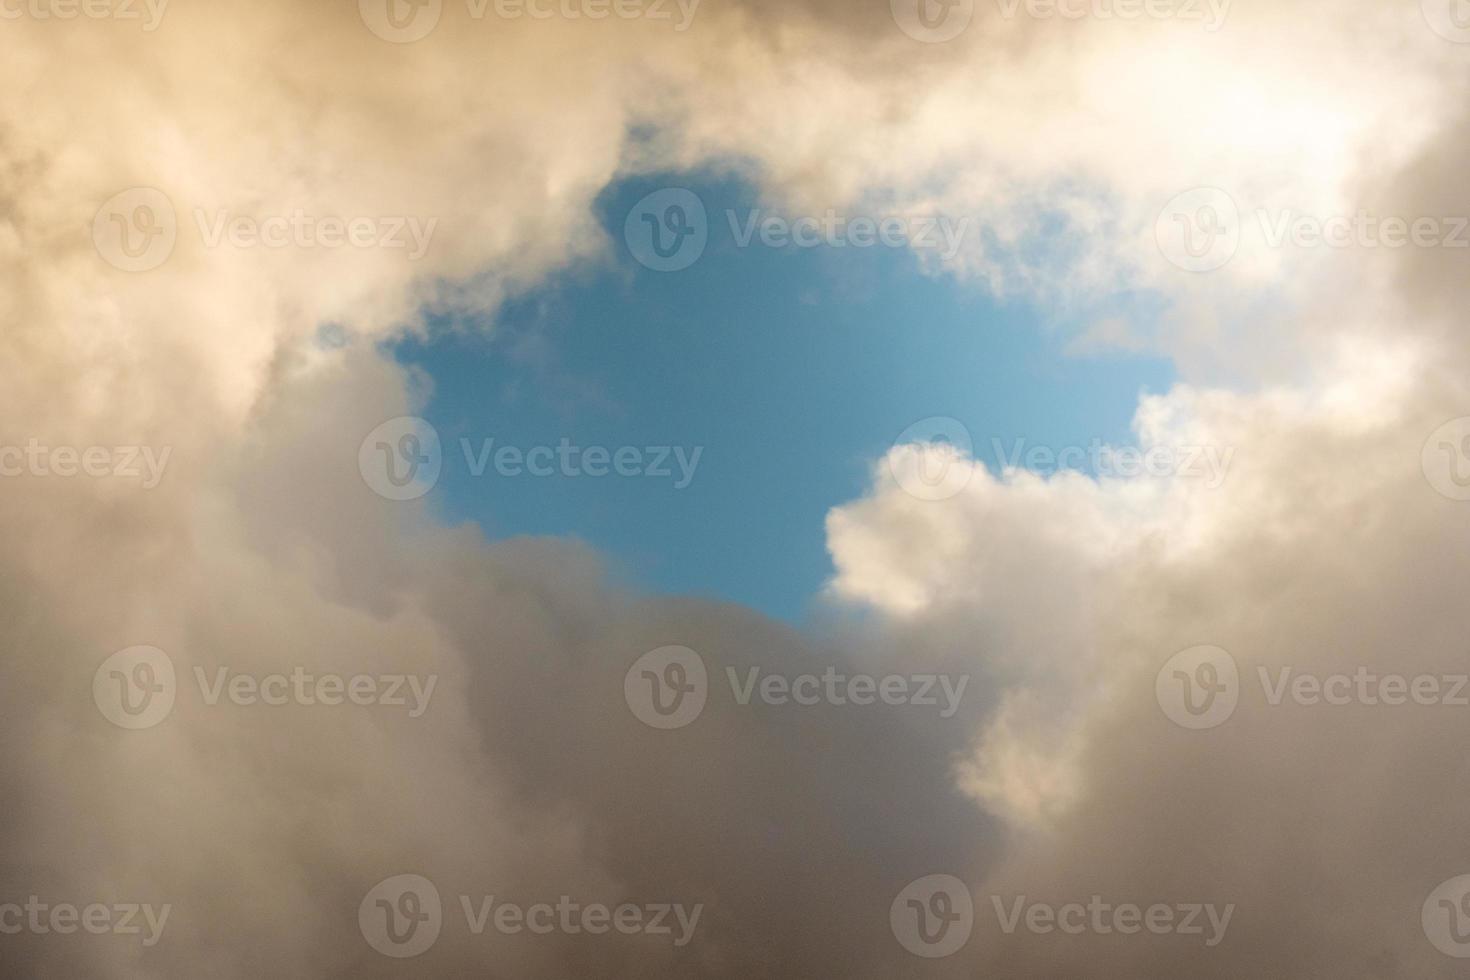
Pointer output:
1323, 371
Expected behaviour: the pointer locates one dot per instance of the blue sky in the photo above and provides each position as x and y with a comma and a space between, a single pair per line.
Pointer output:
794, 368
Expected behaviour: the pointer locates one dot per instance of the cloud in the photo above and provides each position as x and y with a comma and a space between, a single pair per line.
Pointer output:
528, 778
